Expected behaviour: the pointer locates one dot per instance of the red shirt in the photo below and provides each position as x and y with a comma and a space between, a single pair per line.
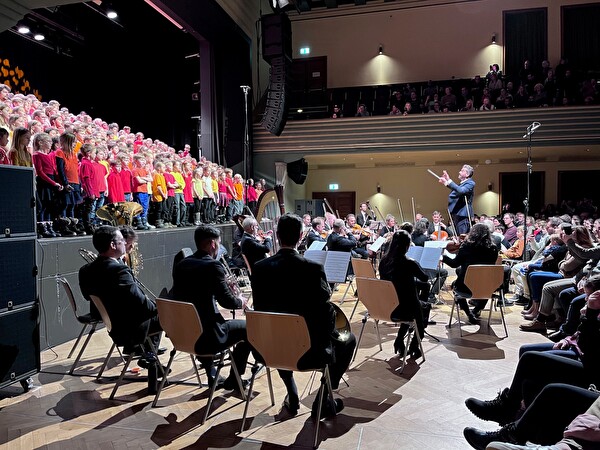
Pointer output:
45, 165
169, 179
187, 190
87, 175
101, 172
126, 180
115, 187
71, 166
229, 184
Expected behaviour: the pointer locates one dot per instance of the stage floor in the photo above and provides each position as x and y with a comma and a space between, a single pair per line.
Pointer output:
422, 408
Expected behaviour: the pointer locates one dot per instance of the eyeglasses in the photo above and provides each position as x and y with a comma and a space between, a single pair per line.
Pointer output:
119, 241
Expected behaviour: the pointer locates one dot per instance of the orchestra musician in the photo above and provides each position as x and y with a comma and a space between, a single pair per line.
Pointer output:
316, 232
365, 215
329, 219
438, 228
306, 222
460, 199
390, 225
340, 240
255, 245
361, 234
309, 299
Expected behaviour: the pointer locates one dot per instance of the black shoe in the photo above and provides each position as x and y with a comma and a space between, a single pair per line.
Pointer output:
480, 439
220, 382
291, 405
497, 410
522, 301
476, 312
557, 336
161, 350
230, 384
472, 319
329, 408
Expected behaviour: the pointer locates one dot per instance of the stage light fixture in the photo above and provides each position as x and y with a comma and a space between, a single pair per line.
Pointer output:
23, 29
494, 38
381, 49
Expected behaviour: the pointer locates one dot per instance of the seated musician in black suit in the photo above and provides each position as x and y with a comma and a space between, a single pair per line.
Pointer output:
133, 315
288, 283
314, 234
253, 247
364, 215
200, 279
340, 240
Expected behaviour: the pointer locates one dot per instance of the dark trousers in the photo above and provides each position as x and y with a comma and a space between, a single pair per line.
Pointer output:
236, 334
536, 370
342, 350
572, 304
552, 410
462, 224
169, 211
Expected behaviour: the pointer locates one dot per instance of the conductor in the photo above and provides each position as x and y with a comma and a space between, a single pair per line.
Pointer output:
460, 199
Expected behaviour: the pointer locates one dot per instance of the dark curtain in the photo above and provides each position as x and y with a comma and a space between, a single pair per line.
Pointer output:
525, 37
581, 36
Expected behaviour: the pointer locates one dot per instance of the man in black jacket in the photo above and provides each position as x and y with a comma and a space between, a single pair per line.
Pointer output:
133, 315
200, 279
253, 248
308, 298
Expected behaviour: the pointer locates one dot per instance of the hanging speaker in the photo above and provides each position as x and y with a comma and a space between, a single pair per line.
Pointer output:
276, 36
297, 171
275, 116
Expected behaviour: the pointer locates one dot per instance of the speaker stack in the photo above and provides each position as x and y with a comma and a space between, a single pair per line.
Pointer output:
277, 51
19, 309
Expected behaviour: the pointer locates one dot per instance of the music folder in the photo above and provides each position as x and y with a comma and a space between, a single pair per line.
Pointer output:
335, 263
317, 245
426, 257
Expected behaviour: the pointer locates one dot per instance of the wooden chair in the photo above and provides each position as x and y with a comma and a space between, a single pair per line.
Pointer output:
380, 299
281, 340
84, 319
145, 346
363, 268
483, 280
181, 323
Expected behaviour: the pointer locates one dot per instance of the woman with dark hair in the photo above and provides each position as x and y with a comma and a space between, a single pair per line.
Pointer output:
402, 271
476, 249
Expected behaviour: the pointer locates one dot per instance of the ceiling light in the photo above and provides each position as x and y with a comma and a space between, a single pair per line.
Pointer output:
381, 49
23, 29
111, 14
38, 36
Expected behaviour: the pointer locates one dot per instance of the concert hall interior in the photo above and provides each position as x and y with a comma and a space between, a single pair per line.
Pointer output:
226, 81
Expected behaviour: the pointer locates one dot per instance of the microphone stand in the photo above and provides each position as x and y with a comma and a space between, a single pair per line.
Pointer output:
526, 202
246, 89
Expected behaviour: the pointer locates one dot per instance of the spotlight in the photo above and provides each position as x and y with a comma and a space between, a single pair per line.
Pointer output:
490, 186
111, 14
378, 188
38, 36
23, 29
494, 38
381, 49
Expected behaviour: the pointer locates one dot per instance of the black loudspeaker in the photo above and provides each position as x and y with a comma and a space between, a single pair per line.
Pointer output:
275, 116
17, 202
19, 344
276, 36
18, 273
297, 171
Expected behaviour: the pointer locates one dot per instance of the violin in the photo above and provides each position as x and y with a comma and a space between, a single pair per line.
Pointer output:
455, 244
357, 229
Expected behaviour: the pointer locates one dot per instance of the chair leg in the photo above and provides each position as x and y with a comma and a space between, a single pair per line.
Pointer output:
110, 352
458, 318
164, 379
255, 371
354, 309
213, 387
451, 314
270, 383
378, 335
325, 384
364, 322
83, 347
238, 378
347, 288
77, 341
196, 370
120, 380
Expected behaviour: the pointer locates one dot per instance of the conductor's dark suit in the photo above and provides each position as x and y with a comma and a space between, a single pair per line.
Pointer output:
289, 283
200, 279
131, 313
460, 209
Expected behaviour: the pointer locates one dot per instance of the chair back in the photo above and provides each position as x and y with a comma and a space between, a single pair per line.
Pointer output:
67, 287
484, 279
102, 310
281, 339
363, 268
181, 323
248, 268
379, 297
180, 256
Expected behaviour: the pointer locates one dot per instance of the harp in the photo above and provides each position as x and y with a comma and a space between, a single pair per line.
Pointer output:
270, 207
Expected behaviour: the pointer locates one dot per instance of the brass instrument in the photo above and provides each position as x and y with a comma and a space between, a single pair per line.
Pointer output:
119, 213
342, 325
87, 255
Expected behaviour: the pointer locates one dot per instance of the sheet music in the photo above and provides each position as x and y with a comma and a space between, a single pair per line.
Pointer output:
317, 245
336, 266
316, 256
375, 246
415, 252
430, 257
438, 244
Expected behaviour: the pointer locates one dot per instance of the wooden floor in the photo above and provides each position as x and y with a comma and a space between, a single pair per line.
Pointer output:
422, 408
